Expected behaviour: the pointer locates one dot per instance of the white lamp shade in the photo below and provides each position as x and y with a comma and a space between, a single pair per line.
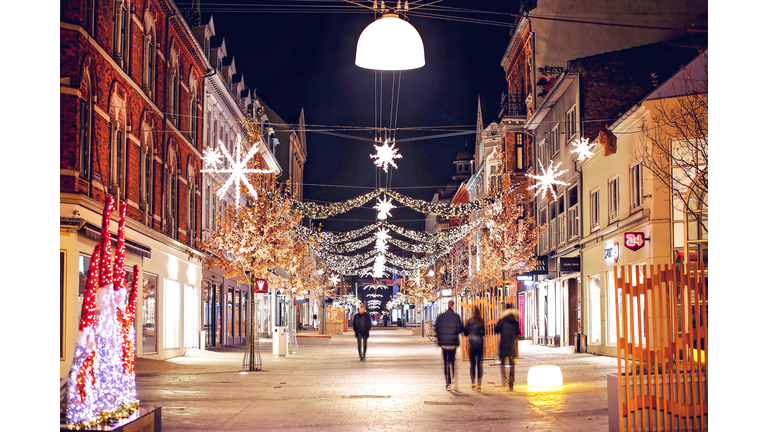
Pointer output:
545, 376
390, 43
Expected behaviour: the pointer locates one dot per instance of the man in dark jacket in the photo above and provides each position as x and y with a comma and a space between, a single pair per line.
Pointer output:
362, 325
509, 328
448, 327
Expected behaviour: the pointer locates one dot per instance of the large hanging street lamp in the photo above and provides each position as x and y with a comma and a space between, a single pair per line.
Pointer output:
390, 43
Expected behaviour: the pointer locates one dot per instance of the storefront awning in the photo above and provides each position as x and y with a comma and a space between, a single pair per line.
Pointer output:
94, 233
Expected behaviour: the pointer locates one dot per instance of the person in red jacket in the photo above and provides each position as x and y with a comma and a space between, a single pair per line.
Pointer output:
509, 328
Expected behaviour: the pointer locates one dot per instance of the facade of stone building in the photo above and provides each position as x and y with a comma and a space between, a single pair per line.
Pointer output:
131, 86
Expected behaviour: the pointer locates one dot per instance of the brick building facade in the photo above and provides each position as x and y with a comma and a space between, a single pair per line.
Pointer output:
131, 104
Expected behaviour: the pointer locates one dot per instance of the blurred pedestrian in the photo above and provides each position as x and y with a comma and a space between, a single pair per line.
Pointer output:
448, 328
509, 328
361, 323
475, 330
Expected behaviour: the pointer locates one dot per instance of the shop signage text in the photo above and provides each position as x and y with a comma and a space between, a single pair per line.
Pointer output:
634, 240
612, 252
570, 264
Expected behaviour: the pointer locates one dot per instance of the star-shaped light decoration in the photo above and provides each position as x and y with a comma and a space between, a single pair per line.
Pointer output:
583, 148
334, 280
417, 280
320, 272
383, 206
386, 155
237, 167
378, 266
547, 179
381, 240
431, 273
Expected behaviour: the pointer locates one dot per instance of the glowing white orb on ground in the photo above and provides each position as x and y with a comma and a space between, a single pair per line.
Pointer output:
545, 376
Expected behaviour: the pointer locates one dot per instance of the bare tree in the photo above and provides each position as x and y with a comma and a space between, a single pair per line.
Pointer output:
676, 150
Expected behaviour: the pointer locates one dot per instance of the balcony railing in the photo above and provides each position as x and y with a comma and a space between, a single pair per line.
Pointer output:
513, 105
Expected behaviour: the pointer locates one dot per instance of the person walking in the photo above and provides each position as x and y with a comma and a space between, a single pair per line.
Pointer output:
475, 330
361, 323
509, 328
448, 328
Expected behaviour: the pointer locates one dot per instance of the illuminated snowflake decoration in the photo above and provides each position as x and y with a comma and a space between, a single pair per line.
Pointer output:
417, 280
378, 266
382, 235
383, 206
431, 273
375, 295
320, 272
334, 280
238, 168
386, 155
547, 179
583, 148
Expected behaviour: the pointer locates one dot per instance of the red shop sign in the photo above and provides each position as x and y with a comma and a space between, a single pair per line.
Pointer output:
260, 287
634, 240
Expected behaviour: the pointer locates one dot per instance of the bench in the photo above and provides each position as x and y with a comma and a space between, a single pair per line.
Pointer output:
313, 339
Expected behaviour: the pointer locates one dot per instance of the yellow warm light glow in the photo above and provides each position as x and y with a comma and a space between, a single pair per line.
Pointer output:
545, 376
390, 43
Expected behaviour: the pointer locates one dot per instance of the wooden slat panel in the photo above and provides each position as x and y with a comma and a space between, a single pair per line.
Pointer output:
670, 390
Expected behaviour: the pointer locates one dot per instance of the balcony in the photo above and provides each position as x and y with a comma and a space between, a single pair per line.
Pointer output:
513, 105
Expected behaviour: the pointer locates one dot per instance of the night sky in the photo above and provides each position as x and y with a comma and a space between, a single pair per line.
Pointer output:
298, 60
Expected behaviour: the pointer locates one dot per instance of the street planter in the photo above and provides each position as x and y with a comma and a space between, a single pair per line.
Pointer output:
617, 399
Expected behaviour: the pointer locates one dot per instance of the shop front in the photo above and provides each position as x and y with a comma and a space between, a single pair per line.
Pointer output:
557, 300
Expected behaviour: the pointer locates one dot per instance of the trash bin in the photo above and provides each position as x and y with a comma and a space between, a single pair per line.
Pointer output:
280, 341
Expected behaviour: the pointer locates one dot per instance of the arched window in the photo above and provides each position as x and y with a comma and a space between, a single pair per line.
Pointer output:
192, 119
121, 37
147, 157
150, 54
172, 192
191, 201
86, 111
172, 104
120, 162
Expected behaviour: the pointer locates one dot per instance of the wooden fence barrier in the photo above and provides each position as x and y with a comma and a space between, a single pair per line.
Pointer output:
662, 362
491, 308
334, 321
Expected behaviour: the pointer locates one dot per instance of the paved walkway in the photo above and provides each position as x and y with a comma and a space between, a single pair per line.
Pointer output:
400, 387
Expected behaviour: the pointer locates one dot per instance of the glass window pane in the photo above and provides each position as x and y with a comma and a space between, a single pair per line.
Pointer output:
595, 317
171, 314
149, 313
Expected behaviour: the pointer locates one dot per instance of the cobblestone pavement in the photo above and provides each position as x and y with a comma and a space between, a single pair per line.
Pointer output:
400, 387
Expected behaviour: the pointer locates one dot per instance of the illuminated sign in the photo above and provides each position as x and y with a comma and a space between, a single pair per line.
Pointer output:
634, 240
261, 286
612, 252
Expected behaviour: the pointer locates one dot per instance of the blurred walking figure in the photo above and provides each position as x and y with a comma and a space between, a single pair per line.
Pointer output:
362, 325
509, 328
475, 329
448, 327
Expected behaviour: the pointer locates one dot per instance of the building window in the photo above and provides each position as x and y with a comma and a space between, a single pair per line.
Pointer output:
85, 139
171, 314
595, 316
613, 198
146, 184
543, 245
561, 221
207, 206
192, 116
635, 186
121, 39
120, 160
573, 212
553, 240
570, 124
554, 141
594, 210
519, 152
541, 153
149, 313
149, 64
